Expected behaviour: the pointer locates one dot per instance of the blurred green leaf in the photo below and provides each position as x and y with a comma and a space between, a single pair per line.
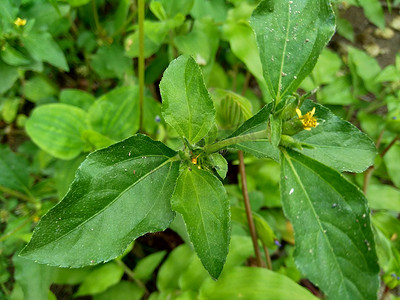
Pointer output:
111, 68
42, 47
373, 11
39, 87
216, 9
255, 284
14, 170
146, 266
8, 75
382, 196
57, 129
100, 279
35, 279
123, 290
77, 98
116, 113
391, 158
9, 109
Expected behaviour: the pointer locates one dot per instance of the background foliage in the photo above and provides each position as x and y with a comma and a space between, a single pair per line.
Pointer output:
69, 85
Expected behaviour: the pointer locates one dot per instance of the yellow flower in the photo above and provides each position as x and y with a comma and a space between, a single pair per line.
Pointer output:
308, 120
20, 22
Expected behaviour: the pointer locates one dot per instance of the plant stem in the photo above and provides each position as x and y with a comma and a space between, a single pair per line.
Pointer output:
237, 139
17, 194
141, 61
96, 17
131, 275
5, 290
249, 215
268, 257
368, 173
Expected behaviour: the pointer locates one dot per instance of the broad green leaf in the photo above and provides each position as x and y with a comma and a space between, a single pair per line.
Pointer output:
110, 62
254, 284
219, 163
13, 57
119, 193
124, 290
42, 47
202, 200
70, 276
57, 129
336, 142
77, 98
290, 36
335, 245
65, 173
14, 170
8, 75
193, 276
35, 279
116, 114
100, 279
146, 266
327, 67
75, 3
231, 108
186, 105
338, 92
260, 147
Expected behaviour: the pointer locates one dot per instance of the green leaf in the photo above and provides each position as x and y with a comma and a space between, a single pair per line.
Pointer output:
172, 8
9, 109
231, 108
391, 159
14, 170
176, 263
116, 114
100, 279
242, 40
13, 57
373, 11
119, 193
336, 142
57, 129
186, 105
219, 163
216, 9
255, 284
299, 31
35, 279
382, 196
110, 62
75, 3
124, 290
335, 246
77, 98
8, 75
202, 200
146, 266
42, 47
261, 147
39, 87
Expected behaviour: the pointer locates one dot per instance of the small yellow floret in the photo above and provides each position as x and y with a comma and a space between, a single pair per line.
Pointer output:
308, 120
20, 22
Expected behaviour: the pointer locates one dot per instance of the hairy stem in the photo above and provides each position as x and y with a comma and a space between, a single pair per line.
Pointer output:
249, 215
254, 136
141, 61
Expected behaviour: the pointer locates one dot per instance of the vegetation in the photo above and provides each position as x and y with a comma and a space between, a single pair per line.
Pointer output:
196, 149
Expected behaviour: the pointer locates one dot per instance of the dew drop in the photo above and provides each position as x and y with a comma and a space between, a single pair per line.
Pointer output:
334, 205
364, 216
291, 191
92, 261
129, 154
